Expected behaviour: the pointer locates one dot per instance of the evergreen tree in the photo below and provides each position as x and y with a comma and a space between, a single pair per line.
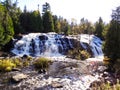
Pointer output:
14, 13
6, 26
99, 27
36, 21
31, 21
112, 40
46, 8
48, 25
56, 24
65, 27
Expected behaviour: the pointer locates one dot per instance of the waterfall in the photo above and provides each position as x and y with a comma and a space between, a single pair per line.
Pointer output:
52, 44
41, 44
94, 42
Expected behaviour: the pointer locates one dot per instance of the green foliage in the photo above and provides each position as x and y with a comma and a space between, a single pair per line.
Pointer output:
46, 7
6, 26
6, 65
64, 26
106, 60
78, 54
106, 27
42, 63
14, 13
48, 25
112, 39
85, 27
112, 46
31, 21
9, 64
99, 27
56, 24
106, 86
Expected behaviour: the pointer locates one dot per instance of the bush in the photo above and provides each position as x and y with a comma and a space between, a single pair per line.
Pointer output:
78, 54
17, 61
116, 66
106, 60
84, 54
6, 65
42, 63
106, 86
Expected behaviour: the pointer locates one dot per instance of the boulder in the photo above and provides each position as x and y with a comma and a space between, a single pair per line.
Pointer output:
19, 77
55, 84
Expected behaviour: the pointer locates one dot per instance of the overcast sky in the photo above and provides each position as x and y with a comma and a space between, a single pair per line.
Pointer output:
77, 9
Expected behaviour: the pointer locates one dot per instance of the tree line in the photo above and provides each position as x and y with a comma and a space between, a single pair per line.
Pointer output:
14, 21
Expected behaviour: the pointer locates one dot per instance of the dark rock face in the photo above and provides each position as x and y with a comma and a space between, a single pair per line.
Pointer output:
18, 37
43, 37
8, 46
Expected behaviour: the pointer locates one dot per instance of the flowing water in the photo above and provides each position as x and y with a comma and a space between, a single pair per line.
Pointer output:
71, 74
52, 44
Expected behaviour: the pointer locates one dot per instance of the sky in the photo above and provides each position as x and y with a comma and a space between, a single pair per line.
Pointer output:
77, 9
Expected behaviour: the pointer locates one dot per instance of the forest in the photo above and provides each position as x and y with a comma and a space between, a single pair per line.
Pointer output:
15, 22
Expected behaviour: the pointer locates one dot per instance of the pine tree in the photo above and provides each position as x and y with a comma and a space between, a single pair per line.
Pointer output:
36, 21
112, 40
48, 25
99, 27
6, 26
14, 13
56, 24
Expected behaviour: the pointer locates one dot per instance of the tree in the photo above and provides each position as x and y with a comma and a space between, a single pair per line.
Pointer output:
65, 27
112, 40
46, 7
56, 24
99, 27
6, 26
31, 21
14, 13
36, 21
48, 25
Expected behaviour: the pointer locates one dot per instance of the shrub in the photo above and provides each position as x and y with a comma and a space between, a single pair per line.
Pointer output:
42, 63
6, 65
116, 66
106, 60
106, 86
18, 62
78, 54
84, 54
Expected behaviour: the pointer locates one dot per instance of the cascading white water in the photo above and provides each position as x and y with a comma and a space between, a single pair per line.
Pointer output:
41, 44
94, 42
52, 44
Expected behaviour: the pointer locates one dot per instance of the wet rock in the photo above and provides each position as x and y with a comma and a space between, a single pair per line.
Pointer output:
42, 71
95, 84
55, 84
24, 56
43, 37
18, 77
101, 69
105, 74
16, 69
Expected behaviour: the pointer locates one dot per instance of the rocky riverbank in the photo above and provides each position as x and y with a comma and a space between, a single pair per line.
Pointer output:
62, 74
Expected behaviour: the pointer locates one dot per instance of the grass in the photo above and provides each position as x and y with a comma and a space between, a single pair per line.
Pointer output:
106, 86
42, 63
